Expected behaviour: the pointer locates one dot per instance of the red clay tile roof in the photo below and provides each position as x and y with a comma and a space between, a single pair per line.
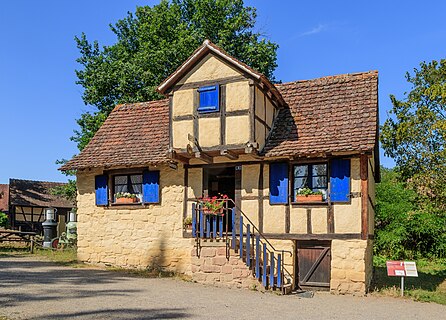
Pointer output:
326, 115
133, 134
322, 116
4, 197
36, 194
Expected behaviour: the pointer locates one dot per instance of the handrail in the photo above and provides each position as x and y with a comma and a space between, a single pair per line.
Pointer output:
263, 238
258, 231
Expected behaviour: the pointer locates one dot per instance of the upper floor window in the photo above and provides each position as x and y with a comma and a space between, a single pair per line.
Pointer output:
209, 100
312, 176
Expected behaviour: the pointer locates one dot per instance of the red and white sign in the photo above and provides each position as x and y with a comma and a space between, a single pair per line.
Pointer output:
401, 269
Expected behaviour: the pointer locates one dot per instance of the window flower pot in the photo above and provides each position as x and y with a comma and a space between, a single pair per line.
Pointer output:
309, 198
126, 200
213, 212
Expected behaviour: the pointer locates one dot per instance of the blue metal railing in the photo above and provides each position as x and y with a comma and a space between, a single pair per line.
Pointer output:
259, 255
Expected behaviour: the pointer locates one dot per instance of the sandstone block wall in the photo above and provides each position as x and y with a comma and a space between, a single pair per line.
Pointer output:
212, 267
351, 266
134, 237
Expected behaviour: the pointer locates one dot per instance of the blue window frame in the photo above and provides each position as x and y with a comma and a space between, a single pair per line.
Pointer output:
209, 100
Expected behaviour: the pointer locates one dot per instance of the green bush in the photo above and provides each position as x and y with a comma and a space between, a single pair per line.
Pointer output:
3, 220
405, 227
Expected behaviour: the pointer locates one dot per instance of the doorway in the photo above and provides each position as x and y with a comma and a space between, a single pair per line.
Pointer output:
220, 181
313, 264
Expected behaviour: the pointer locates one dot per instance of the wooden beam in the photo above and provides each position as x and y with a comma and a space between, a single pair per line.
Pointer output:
229, 154
172, 154
260, 197
204, 157
364, 196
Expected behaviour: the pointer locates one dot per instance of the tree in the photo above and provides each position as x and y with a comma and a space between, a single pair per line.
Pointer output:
152, 43
414, 135
403, 227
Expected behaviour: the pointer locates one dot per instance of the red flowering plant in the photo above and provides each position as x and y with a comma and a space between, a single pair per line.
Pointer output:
213, 205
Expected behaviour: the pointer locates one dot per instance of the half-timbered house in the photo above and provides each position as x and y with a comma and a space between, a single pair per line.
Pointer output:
28, 200
226, 129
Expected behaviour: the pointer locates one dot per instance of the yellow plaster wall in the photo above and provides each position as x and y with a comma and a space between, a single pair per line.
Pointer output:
183, 102
237, 129
209, 132
136, 237
347, 217
298, 220
209, 68
319, 220
273, 218
260, 104
237, 96
250, 180
372, 190
260, 134
180, 131
251, 209
195, 181
269, 112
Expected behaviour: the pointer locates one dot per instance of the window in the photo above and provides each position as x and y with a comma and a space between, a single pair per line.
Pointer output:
131, 188
209, 99
128, 184
312, 176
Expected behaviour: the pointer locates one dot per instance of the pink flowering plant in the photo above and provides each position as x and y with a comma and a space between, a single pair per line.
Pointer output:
214, 205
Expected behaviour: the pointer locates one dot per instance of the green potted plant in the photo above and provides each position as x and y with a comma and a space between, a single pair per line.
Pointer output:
125, 197
187, 223
307, 195
213, 205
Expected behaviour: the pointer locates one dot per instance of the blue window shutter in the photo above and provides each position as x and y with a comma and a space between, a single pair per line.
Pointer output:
209, 99
340, 180
278, 183
101, 187
151, 186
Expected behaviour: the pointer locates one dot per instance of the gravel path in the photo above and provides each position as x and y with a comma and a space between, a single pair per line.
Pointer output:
36, 289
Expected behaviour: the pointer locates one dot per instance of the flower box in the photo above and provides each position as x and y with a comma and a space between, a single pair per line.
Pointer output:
126, 200
309, 198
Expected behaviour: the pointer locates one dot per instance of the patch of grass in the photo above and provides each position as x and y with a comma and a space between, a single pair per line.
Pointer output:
144, 273
7, 250
66, 257
429, 286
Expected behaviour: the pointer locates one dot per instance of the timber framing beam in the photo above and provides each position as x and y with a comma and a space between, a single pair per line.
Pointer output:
204, 157
229, 154
364, 196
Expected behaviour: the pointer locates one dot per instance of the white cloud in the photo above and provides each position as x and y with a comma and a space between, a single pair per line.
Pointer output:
315, 30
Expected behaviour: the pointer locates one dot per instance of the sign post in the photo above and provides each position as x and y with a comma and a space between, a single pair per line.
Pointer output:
402, 269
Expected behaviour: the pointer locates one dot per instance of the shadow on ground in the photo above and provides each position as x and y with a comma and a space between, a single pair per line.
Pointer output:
123, 314
42, 275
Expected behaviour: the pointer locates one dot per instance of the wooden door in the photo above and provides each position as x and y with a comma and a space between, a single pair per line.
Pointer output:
313, 264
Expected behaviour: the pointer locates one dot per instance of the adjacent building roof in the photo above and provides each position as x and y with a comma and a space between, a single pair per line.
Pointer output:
4, 197
36, 194
326, 115
133, 134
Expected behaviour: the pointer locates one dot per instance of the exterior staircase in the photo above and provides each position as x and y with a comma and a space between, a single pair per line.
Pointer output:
242, 238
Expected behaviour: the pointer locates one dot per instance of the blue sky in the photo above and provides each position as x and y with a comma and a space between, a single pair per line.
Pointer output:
40, 100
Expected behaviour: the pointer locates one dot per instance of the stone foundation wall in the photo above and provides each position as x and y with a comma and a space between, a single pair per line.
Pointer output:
134, 237
351, 266
213, 268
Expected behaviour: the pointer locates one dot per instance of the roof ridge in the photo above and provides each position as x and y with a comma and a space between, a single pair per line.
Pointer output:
371, 72
27, 180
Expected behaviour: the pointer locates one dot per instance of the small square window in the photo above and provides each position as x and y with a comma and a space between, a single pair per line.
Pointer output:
209, 99
312, 176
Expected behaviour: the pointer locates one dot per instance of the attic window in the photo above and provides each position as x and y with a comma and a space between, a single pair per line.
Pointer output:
209, 99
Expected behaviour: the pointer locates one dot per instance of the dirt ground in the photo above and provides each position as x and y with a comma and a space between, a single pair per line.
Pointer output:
35, 289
